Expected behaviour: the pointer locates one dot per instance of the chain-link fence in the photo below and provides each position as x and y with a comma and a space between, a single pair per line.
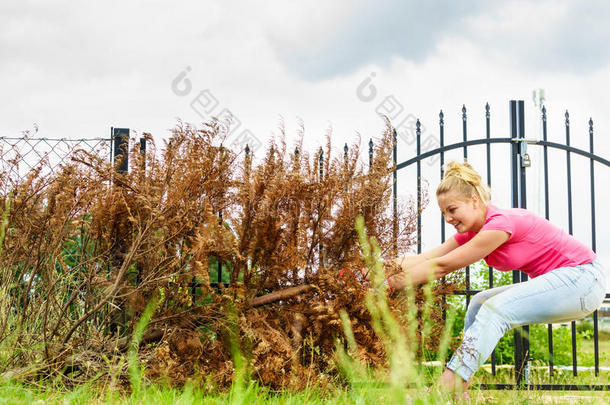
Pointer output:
18, 156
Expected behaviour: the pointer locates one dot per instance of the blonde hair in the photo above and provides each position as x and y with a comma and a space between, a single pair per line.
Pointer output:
462, 178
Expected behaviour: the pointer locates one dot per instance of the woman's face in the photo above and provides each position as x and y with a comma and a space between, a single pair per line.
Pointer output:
465, 214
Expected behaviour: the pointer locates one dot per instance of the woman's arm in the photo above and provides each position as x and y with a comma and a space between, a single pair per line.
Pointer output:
407, 262
421, 272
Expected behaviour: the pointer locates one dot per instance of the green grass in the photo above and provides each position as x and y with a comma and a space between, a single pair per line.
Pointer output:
359, 390
12, 393
586, 351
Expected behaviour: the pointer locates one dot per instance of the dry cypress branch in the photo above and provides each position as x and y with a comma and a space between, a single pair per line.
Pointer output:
281, 295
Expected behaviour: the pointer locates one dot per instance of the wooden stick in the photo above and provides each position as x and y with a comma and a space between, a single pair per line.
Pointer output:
281, 295
151, 336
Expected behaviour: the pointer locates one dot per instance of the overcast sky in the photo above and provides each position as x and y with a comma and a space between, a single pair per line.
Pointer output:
77, 68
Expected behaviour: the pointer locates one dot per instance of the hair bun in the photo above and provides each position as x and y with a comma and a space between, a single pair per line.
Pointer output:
462, 171
462, 177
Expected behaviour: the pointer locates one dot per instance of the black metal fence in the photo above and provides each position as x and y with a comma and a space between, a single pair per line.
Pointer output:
520, 161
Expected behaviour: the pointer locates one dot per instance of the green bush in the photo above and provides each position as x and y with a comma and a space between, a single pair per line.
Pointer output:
585, 329
562, 344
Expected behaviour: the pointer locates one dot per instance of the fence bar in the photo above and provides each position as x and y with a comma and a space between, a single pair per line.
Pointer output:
441, 117
482, 141
547, 216
441, 123
320, 233
394, 193
523, 204
111, 157
544, 387
523, 195
464, 131
593, 246
345, 164
419, 209
464, 136
571, 231
218, 261
488, 163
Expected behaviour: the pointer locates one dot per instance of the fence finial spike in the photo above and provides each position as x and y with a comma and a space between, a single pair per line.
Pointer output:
543, 113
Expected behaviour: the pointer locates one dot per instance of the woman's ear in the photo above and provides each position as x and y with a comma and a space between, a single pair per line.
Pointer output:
476, 201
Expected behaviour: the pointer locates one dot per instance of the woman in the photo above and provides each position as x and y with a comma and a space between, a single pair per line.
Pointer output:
566, 282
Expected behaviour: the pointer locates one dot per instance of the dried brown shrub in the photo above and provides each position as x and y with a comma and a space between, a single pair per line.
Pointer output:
87, 248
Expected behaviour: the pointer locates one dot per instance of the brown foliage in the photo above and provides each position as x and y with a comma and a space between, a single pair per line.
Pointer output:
87, 248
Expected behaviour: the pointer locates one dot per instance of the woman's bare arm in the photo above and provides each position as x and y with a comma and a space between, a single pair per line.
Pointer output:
407, 262
421, 272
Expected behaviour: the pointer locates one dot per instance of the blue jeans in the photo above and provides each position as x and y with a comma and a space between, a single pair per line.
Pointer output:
559, 296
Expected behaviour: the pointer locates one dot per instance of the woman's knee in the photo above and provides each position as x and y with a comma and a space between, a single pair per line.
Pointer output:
473, 308
492, 314
479, 298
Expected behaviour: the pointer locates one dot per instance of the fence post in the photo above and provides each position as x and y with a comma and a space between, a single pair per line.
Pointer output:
120, 158
320, 232
142, 175
519, 198
143, 151
120, 140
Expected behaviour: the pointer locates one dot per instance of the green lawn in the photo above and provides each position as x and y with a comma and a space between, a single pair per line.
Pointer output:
373, 392
586, 351
14, 394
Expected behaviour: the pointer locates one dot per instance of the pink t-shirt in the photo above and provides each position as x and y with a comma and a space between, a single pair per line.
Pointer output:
535, 246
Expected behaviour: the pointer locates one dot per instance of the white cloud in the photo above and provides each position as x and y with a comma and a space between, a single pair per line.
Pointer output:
549, 36
337, 41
